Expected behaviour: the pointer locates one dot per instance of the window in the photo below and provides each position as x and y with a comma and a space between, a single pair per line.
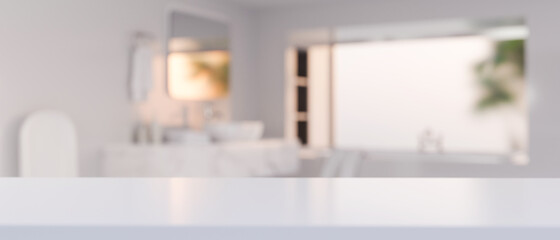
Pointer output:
443, 87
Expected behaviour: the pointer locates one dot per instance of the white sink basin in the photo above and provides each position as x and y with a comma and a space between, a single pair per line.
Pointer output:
235, 131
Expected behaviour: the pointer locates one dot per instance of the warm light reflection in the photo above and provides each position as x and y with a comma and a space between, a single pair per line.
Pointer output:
198, 76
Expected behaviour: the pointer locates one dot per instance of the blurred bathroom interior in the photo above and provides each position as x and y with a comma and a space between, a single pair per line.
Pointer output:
276, 88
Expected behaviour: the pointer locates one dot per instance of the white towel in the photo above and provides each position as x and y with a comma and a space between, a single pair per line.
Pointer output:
141, 72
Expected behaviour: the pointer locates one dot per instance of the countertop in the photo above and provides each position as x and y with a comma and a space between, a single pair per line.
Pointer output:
227, 202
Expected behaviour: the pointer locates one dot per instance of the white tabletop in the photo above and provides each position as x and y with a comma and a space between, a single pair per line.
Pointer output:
281, 202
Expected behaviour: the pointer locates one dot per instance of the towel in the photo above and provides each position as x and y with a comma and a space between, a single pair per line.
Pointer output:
141, 77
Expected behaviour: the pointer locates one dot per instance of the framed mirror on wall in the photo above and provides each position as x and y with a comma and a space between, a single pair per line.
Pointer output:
198, 60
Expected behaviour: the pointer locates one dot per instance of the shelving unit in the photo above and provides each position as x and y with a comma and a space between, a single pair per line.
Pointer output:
302, 93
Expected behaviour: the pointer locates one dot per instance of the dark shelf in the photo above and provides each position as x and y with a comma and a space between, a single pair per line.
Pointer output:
302, 132
302, 63
302, 99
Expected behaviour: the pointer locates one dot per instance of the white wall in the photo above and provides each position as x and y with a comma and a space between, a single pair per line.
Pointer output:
73, 56
543, 72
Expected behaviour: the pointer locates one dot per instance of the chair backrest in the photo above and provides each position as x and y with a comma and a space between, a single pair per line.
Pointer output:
48, 145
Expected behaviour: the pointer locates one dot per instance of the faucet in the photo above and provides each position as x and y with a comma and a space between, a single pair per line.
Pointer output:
428, 141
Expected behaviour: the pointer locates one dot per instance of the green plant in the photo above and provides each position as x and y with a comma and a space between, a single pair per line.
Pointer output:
218, 72
499, 78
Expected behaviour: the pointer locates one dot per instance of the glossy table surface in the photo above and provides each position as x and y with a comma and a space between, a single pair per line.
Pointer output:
406, 202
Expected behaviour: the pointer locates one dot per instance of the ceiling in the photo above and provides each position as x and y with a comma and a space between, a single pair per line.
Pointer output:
276, 3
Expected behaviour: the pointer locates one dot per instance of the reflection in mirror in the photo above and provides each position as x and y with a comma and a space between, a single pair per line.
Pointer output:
443, 91
198, 58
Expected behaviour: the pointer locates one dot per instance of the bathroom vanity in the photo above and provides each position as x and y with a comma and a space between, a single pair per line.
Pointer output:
259, 158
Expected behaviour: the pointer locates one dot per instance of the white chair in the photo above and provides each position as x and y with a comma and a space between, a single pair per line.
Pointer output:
48, 145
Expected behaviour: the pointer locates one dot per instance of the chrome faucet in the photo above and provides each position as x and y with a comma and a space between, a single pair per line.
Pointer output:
428, 141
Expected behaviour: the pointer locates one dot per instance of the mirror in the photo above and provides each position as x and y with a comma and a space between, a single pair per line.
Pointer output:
198, 58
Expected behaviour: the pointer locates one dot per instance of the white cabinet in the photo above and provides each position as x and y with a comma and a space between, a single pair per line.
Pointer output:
269, 157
